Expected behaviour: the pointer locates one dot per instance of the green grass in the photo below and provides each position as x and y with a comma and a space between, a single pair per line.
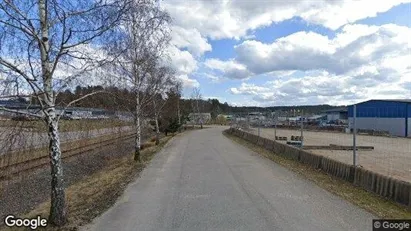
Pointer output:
373, 203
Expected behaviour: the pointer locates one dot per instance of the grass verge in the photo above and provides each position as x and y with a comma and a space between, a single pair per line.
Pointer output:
375, 204
94, 194
66, 125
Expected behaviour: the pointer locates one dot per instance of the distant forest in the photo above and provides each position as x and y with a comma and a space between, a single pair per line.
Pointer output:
123, 100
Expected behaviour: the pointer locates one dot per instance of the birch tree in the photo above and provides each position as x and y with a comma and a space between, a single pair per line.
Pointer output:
196, 98
162, 77
177, 90
146, 35
45, 45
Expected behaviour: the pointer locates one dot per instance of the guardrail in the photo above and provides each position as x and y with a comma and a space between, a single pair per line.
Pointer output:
387, 187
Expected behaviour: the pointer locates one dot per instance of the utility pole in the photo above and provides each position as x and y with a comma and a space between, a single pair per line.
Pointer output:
354, 135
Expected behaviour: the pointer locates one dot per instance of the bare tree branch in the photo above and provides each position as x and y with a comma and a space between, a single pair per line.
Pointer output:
20, 112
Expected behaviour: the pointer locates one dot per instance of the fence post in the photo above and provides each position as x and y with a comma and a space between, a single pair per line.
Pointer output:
275, 126
302, 128
354, 135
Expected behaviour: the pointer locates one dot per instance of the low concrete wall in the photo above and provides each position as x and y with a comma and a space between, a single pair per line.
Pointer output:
260, 141
253, 139
387, 187
338, 169
279, 148
269, 144
311, 159
291, 152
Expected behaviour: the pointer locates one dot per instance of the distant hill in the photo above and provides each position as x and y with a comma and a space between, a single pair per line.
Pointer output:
124, 101
307, 109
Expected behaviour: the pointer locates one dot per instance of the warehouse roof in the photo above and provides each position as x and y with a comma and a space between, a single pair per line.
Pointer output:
393, 100
386, 100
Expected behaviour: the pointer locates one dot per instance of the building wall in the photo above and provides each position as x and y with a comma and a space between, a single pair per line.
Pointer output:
408, 120
395, 126
391, 116
195, 117
333, 116
409, 127
382, 109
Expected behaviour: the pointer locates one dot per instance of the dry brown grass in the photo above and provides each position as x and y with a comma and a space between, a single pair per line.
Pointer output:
96, 193
67, 125
68, 148
375, 204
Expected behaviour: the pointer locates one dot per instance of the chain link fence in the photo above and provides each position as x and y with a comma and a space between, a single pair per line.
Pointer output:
379, 145
24, 144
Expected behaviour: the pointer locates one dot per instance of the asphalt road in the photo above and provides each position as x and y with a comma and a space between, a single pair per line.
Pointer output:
203, 181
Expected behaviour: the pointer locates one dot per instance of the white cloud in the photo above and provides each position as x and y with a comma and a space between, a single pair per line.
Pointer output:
339, 13
384, 47
219, 19
325, 88
248, 89
230, 68
368, 56
187, 82
212, 77
190, 39
184, 64
182, 61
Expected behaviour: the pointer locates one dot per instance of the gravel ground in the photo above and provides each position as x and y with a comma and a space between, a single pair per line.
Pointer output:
391, 155
24, 195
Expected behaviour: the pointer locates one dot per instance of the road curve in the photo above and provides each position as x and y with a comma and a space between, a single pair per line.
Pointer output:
203, 181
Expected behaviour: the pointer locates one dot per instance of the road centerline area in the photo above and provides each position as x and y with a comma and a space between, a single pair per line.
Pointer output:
203, 181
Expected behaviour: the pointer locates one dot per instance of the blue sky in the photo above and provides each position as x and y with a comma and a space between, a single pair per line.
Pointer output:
287, 53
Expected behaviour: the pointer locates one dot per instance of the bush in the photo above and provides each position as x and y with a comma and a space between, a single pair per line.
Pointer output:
173, 126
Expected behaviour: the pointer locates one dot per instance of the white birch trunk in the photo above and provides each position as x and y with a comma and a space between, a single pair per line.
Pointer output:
156, 122
157, 130
137, 155
58, 210
178, 114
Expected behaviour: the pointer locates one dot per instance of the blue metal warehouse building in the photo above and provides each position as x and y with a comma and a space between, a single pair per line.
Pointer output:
393, 116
